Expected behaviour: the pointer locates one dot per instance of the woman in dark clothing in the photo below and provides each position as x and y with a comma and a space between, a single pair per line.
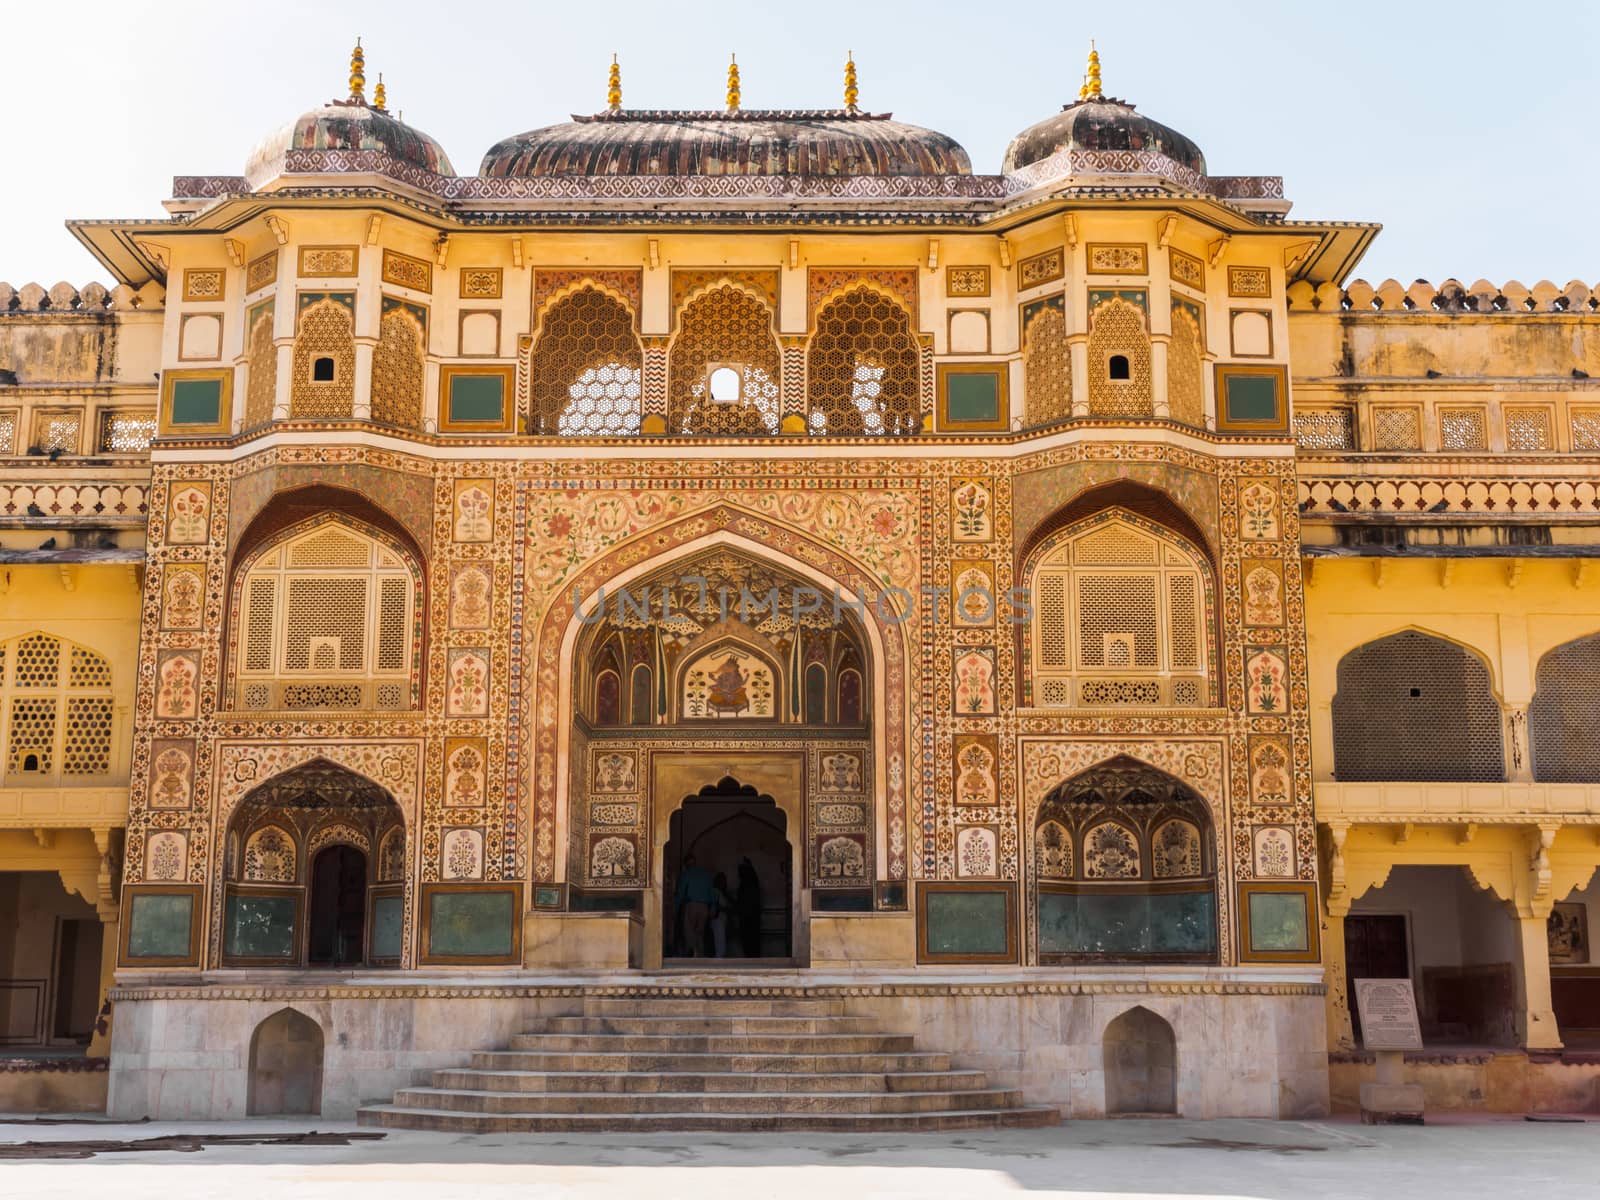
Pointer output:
749, 905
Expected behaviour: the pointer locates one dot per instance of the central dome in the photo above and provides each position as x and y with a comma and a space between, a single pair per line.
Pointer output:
629, 142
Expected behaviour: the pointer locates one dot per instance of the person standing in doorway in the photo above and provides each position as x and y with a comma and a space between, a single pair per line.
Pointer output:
695, 898
719, 916
749, 902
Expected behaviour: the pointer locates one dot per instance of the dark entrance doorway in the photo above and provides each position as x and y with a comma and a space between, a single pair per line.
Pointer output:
1374, 948
730, 844
338, 907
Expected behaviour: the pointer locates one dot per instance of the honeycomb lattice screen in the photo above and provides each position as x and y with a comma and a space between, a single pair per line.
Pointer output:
327, 620
326, 331
1047, 366
1562, 720
1117, 327
862, 367
587, 369
1416, 708
726, 326
1118, 619
59, 711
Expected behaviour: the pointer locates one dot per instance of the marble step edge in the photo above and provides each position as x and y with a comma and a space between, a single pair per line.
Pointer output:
650, 1082
749, 1043
699, 1063
393, 1117
648, 1103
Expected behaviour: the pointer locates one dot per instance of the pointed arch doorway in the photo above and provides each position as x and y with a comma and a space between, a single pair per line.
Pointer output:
737, 839
738, 816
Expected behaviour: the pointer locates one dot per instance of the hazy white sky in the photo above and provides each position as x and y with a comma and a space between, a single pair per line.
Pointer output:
1466, 126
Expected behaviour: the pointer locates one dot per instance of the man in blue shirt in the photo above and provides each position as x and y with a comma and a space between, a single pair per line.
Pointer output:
696, 897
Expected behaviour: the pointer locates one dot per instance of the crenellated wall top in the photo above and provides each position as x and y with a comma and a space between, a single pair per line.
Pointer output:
90, 298
1451, 296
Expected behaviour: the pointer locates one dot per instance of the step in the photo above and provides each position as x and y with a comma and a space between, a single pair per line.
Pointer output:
796, 1043
734, 1103
395, 1117
700, 1063
587, 1082
686, 1025
669, 1005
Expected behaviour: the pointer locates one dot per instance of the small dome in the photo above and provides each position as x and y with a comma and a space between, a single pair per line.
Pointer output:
829, 142
347, 125
1101, 124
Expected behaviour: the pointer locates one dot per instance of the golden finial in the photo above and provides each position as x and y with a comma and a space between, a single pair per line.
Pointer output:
1091, 85
614, 86
379, 96
358, 74
851, 92
733, 83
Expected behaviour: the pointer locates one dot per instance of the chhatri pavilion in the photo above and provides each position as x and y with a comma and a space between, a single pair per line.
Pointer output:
734, 618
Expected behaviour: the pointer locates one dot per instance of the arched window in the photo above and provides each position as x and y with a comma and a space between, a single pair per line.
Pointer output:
57, 711
324, 358
1124, 867
586, 368
398, 365
1186, 367
1415, 707
325, 618
724, 333
262, 387
862, 367
607, 698
1122, 616
1046, 361
1119, 360
816, 697
641, 704
1564, 718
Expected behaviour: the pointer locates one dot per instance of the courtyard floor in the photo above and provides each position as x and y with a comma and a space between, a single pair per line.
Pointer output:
1457, 1158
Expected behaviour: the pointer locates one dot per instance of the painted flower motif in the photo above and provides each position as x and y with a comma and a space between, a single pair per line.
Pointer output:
558, 526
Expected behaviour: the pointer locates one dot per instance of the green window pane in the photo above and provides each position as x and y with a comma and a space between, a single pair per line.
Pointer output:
1253, 398
471, 924
477, 398
259, 927
388, 926
974, 397
158, 926
966, 923
1279, 922
197, 402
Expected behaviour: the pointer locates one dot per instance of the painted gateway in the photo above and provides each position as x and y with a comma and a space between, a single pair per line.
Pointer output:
1075, 624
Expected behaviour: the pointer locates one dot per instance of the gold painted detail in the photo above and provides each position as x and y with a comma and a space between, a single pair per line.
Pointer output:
325, 332
397, 370
261, 392
380, 97
1047, 364
851, 92
261, 271
405, 271
614, 86
358, 74
1091, 81
733, 84
1117, 328
1186, 369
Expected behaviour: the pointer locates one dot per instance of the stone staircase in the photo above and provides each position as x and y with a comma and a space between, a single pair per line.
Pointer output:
723, 1064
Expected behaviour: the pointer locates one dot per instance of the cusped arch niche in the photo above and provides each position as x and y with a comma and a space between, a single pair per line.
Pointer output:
721, 636
1124, 615
1124, 869
326, 615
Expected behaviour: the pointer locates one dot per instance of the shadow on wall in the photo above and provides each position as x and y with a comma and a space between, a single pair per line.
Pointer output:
285, 1066
1141, 1065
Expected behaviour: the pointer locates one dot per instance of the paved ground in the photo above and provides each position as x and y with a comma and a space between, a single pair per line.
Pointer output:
1458, 1160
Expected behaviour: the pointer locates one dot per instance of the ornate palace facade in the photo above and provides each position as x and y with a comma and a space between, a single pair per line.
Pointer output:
1090, 620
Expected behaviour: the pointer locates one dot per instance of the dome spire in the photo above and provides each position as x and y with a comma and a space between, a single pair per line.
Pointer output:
851, 92
733, 83
358, 74
1091, 84
379, 96
614, 86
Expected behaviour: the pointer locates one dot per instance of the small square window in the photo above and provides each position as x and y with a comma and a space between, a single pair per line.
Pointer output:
1252, 400
196, 402
476, 399
972, 397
